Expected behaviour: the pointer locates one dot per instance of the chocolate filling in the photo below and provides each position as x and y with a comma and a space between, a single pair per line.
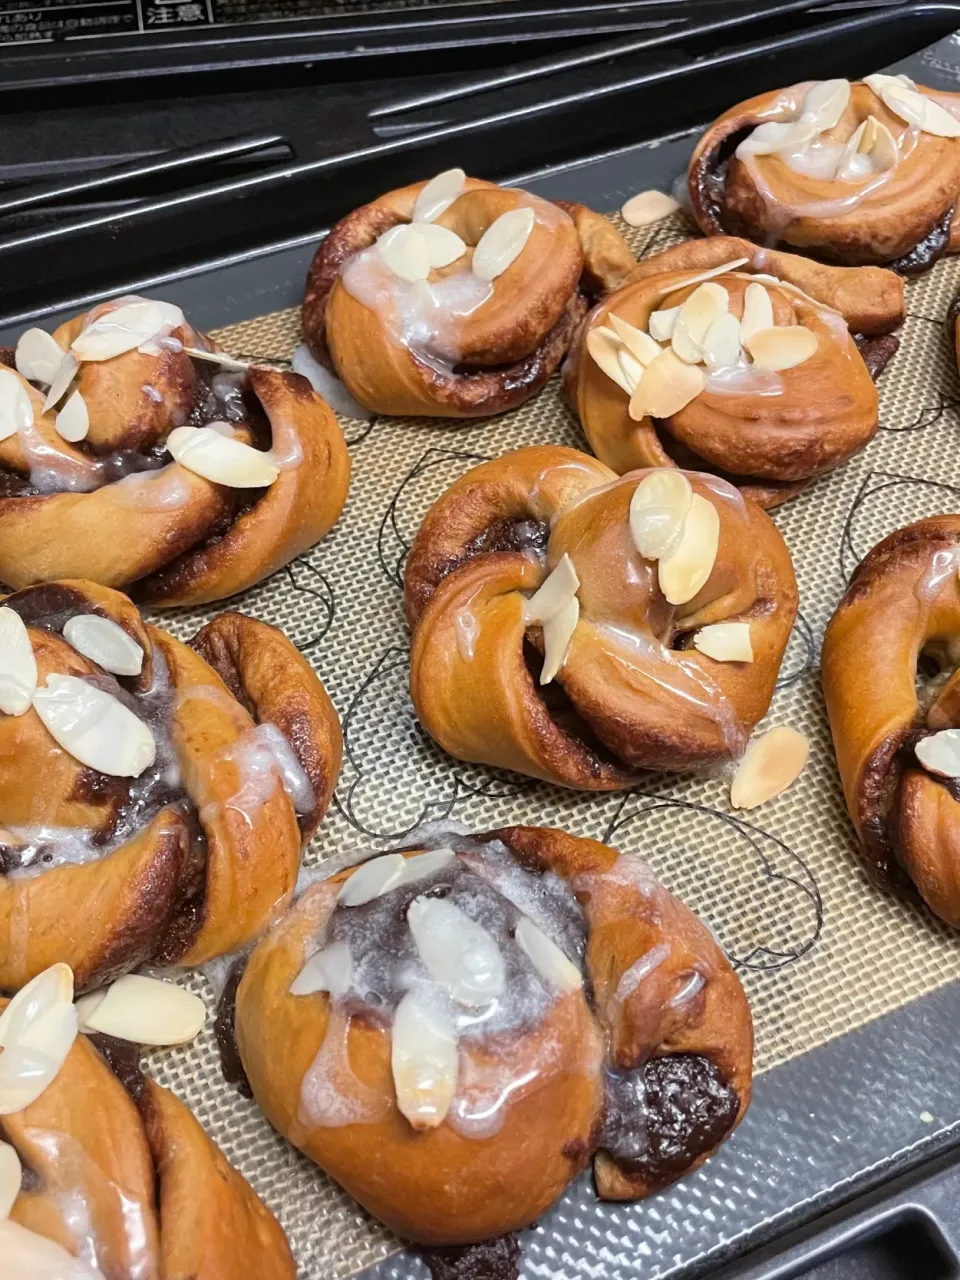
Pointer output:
497, 1259
661, 1117
876, 352
927, 251
123, 1059
510, 535
224, 1028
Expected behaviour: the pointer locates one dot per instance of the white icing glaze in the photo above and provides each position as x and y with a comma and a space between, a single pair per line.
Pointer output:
943, 565
262, 757
161, 490
467, 628
331, 1094
641, 968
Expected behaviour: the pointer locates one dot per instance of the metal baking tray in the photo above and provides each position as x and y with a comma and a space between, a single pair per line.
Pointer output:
847, 1165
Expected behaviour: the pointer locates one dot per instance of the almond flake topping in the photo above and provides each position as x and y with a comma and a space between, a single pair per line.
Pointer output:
372, 879
725, 642
458, 953
18, 666
27, 1255
658, 508
502, 243
221, 460
105, 642
438, 194
133, 325
443, 246
604, 347
557, 634
707, 303
940, 753
916, 108
94, 727
328, 970
770, 764
37, 1030
647, 207
554, 593
424, 1061
684, 570
781, 348
406, 252
38, 356
62, 380
218, 357
73, 421
16, 411
144, 1011
11, 1175
757, 311
547, 958
668, 385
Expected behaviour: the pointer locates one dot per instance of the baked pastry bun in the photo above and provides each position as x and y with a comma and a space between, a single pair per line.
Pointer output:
867, 172
579, 626
898, 747
453, 1034
104, 1175
710, 358
166, 787
455, 298
133, 455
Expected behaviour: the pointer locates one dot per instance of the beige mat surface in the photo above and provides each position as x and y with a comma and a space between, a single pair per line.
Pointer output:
820, 951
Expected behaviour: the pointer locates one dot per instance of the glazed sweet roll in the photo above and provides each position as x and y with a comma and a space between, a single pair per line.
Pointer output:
579, 626
134, 454
453, 1033
455, 297
154, 795
720, 357
892, 688
104, 1175
867, 172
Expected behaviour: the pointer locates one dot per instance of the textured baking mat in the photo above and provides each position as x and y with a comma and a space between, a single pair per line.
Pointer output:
819, 950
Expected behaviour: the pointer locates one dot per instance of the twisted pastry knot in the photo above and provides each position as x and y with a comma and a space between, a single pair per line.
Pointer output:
455, 297
452, 1034
171, 801
861, 173
160, 466
719, 356
545, 564
127, 1186
896, 747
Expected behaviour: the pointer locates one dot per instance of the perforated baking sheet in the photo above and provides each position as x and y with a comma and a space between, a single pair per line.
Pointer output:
820, 951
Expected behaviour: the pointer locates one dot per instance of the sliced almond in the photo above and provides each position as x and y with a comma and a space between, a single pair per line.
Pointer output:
328, 970
647, 207
632, 368
372, 879
230, 462
438, 194
777, 135
757, 311
502, 243
424, 1061
665, 290
546, 957
662, 322
940, 753
684, 570
132, 325
37, 1030
11, 1175
86, 1004
73, 421
16, 411
869, 149
557, 634
721, 342
604, 347
444, 246
697, 314
422, 865
94, 727
18, 666
105, 642
770, 764
38, 357
918, 109
825, 103
669, 384
405, 252
147, 1011
884, 151
725, 642
639, 344
781, 348
658, 509
61, 383
554, 593
27, 1255
457, 952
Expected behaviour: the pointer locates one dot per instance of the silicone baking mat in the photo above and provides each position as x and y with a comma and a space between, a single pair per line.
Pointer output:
819, 950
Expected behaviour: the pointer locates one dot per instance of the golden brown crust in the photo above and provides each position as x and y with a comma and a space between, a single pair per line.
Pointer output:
825, 411
499, 353
762, 197
440, 1187
634, 694
139, 1183
213, 865
904, 597
169, 534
